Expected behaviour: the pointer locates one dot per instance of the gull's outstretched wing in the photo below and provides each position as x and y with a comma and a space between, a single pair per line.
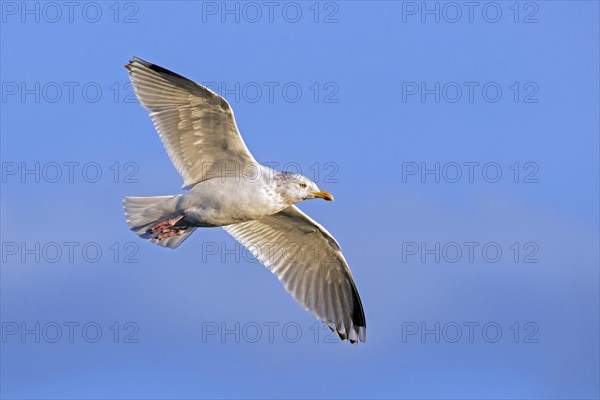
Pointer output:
309, 263
195, 124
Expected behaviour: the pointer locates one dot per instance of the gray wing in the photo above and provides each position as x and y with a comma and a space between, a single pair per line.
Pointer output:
309, 263
195, 124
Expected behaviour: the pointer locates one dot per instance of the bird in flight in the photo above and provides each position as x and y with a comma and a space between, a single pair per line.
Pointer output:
252, 202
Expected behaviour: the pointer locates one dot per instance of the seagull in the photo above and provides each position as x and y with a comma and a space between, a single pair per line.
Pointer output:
227, 187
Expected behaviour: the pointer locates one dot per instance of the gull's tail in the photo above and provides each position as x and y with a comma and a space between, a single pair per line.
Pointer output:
157, 220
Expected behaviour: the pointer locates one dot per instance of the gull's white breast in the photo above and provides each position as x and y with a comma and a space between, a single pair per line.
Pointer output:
229, 200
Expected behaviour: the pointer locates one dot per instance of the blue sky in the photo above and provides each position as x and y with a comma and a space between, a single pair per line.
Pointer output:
461, 145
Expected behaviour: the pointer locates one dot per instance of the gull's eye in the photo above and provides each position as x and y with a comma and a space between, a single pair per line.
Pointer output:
303, 185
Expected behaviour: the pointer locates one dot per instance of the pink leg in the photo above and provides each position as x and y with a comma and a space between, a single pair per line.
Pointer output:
166, 224
167, 233
167, 229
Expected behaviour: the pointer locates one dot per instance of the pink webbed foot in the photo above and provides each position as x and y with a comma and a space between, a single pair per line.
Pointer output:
167, 233
167, 229
165, 224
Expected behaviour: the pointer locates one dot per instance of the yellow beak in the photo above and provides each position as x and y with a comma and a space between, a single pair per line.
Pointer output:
323, 195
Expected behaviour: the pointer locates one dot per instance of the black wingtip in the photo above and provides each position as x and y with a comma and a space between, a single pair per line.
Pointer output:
136, 60
360, 332
169, 75
153, 67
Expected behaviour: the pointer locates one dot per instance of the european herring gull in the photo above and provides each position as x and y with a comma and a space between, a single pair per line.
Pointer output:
252, 202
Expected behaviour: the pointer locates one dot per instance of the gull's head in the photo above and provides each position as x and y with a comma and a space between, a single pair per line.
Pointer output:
295, 187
